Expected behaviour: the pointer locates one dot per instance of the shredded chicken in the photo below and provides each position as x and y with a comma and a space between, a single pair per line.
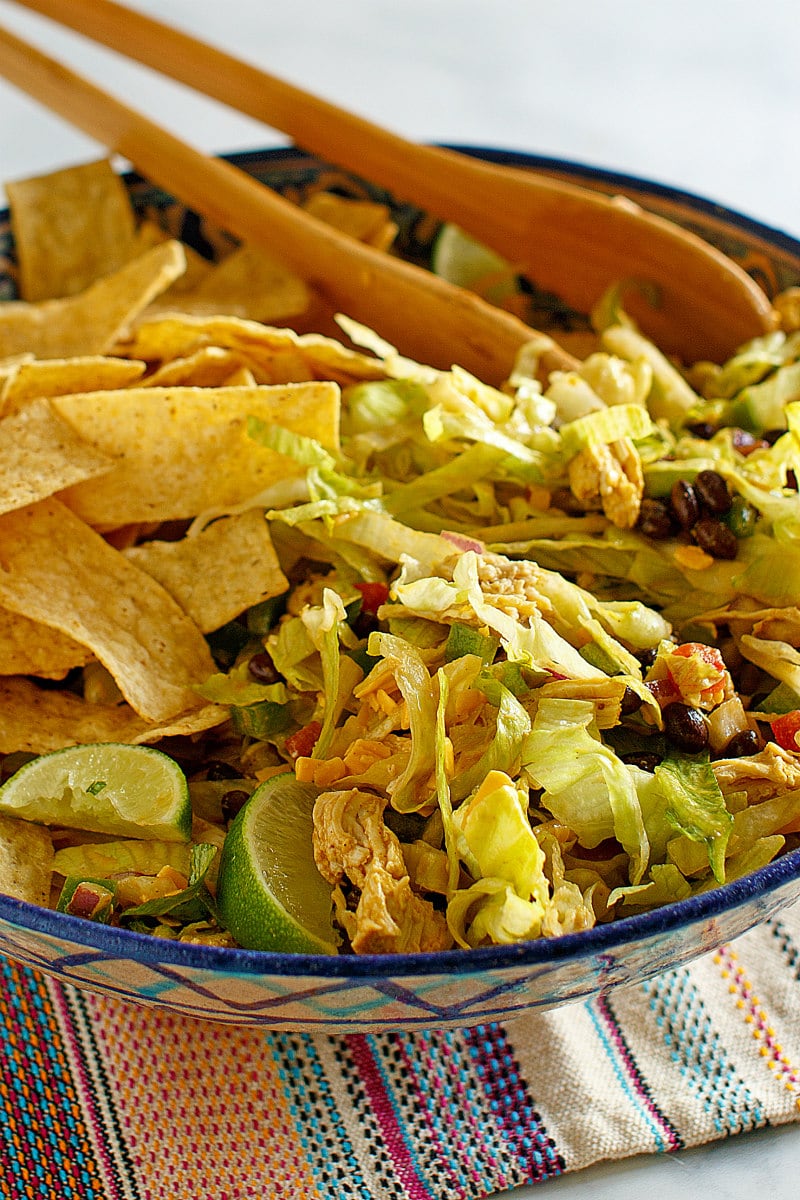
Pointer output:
609, 476
773, 624
392, 919
352, 840
780, 625
761, 775
350, 835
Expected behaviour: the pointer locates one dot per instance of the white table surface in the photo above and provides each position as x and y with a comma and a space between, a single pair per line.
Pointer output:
700, 94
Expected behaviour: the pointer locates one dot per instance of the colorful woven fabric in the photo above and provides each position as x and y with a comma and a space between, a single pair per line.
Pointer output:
107, 1100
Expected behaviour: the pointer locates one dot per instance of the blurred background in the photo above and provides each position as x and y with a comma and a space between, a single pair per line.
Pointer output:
701, 94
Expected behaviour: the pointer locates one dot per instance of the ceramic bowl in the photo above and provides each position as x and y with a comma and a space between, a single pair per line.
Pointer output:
421, 991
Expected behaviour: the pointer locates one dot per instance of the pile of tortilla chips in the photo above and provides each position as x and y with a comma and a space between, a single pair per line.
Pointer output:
129, 368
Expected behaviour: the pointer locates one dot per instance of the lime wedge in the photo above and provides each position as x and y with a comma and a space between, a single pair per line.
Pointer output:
270, 895
462, 260
131, 791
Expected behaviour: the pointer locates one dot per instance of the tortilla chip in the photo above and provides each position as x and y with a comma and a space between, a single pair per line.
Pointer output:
249, 568
9, 369
186, 450
26, 860
248, 283
364, 220
40, 454
60, 376
150, 233
57, 570
36, 720
173, 335
30, 648
242, 377
70, 228
208, 367
93, 320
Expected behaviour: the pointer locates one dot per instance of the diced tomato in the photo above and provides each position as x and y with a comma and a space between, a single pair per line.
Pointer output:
300, 744
709, 654
714, 691
373, 595
785, 730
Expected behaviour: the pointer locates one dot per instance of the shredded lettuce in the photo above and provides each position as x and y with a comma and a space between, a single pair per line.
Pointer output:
671, 398
443, 784
586, 787
490, 911
239, 688
696, 806
608, 425
496, 839
503, 752
414, 681
323, 624
665, 886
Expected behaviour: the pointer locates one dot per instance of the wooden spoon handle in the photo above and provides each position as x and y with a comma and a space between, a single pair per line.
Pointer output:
569, 239
424, 316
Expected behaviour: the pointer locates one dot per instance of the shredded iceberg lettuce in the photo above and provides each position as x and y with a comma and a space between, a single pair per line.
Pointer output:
586, 787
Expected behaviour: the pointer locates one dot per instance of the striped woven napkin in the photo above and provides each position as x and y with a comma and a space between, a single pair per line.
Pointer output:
105, 1099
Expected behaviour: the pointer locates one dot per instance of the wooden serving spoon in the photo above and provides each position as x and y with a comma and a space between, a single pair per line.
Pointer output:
424, 316
568, 239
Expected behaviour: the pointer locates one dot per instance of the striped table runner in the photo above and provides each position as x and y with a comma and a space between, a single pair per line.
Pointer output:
104, 1099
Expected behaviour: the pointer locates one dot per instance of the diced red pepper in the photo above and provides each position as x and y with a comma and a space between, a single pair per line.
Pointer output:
300, 744
785, 730
373, 595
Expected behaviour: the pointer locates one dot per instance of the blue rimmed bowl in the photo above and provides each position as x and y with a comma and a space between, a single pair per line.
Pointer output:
421, 991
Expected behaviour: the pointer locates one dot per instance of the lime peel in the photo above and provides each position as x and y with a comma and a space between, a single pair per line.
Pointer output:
107, 787
270, 895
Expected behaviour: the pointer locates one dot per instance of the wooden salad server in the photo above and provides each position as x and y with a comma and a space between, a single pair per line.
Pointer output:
568, 239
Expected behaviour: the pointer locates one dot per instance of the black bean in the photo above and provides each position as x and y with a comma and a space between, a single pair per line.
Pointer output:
233, 801
685, 727
791, 479
741, 744
771, 436
643, 760
712, 492
702, 429
221, 770
631, 702
715, 538
364, 624
647, 657
748, 679
685, 504
262, 668
655, 520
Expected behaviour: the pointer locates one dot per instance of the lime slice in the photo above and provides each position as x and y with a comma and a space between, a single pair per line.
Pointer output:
131, 791
270, 894
462, 260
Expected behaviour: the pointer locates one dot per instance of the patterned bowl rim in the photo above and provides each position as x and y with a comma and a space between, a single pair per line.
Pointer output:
600, 940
